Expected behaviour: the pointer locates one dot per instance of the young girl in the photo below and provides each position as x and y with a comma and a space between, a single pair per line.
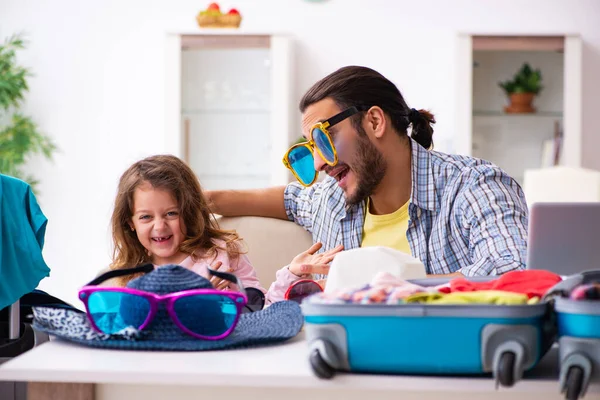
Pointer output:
161, 216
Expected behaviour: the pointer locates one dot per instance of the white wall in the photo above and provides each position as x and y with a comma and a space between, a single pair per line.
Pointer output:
99, 66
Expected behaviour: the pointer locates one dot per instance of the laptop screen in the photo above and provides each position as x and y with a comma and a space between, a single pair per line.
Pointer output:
564, 238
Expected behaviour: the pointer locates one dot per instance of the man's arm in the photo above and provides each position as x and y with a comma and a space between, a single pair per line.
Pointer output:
257, 202
496, 214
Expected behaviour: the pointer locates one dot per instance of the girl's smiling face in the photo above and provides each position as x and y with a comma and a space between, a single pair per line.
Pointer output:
158, 224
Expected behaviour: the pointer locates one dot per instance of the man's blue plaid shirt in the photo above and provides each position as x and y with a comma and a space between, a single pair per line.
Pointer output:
465, 215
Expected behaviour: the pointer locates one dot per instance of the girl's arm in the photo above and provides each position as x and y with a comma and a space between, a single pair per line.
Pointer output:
304, 265
242, 268
283, 280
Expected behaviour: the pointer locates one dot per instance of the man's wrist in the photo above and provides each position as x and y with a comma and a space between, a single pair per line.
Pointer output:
457, 274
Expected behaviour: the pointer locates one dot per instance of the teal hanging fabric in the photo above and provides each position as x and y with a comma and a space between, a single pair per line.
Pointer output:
22, 230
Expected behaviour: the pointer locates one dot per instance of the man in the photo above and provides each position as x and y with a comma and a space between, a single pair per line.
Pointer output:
458, 215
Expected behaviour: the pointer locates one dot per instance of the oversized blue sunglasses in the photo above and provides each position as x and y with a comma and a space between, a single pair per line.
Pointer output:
300, 157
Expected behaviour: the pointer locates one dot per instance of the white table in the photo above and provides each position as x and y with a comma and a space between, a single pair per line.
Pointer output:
278, 372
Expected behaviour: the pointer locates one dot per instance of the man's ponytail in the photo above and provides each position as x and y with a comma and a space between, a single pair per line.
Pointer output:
422, 131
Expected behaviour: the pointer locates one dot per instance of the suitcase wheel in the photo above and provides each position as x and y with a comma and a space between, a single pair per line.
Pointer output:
574, 384
319, 365
506, 369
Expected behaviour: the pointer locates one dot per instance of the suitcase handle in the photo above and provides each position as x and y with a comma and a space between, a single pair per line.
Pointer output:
564, 287
14, 321
591, 276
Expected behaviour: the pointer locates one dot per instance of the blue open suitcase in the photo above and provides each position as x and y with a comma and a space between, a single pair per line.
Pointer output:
578, 324
428, 339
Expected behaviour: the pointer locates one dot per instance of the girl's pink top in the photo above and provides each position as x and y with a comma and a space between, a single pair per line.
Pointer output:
243, 269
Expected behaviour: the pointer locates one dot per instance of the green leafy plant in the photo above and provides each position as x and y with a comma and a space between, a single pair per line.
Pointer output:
19, 135
526, 80
301, 139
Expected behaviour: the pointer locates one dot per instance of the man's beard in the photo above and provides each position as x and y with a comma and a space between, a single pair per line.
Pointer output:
369, 168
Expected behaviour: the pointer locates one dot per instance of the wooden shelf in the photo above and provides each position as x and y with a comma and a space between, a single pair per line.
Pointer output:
230, 111
223, 40
500, 113
519, 43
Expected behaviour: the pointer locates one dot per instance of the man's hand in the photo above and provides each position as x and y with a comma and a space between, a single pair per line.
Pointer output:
452, 275
308, 263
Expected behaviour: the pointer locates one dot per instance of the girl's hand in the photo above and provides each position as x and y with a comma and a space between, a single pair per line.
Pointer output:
218, 283
308, 263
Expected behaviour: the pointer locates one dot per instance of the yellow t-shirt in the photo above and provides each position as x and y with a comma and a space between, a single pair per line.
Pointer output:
387, 230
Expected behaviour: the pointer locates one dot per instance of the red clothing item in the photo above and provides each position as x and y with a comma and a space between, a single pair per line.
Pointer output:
533, 283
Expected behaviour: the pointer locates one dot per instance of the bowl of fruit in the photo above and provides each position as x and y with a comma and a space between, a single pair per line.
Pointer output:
212, 17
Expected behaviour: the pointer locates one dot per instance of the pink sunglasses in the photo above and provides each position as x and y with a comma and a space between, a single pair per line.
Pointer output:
207, 314
301, 289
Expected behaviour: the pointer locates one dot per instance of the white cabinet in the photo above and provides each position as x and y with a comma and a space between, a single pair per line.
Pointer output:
518, 142
229, 106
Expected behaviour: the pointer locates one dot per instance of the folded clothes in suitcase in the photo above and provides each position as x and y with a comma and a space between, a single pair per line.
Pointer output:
428, 339
577, 306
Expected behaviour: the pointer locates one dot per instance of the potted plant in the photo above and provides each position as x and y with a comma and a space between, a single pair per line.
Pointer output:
301, 139
522, 89
19, 135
